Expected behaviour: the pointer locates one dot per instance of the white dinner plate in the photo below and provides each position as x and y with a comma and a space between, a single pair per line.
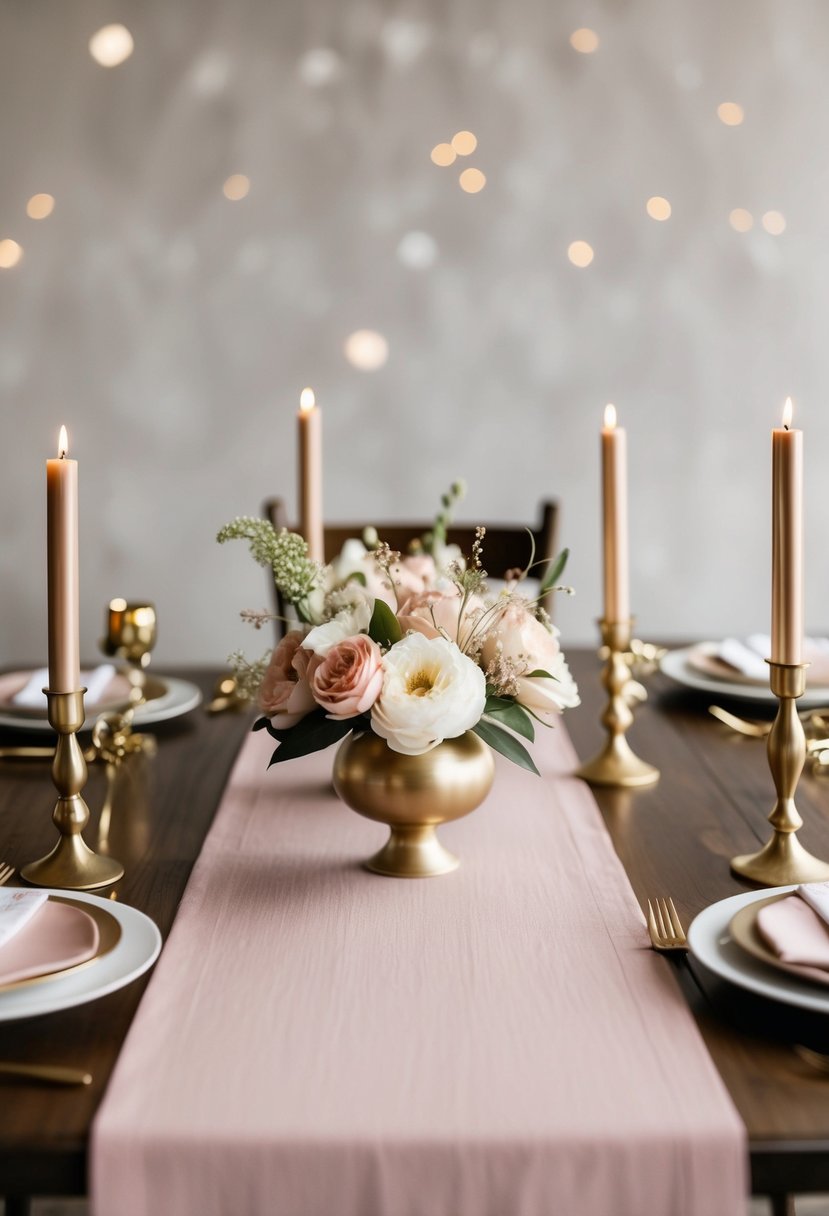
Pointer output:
675, 664
179, 697
136, 950
711, 942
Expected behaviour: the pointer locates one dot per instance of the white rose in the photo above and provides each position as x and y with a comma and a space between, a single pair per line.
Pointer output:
431, 692
520, 642
351, 619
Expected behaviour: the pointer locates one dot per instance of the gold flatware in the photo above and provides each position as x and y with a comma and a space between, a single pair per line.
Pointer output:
50, 1074
5, 873
665, 927
754, 730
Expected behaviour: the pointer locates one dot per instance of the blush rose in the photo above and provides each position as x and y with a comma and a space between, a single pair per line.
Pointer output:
348, 680
285, 695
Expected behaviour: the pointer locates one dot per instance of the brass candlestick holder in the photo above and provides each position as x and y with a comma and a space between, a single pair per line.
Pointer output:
784, 860
71, 864
131, 632
616, 764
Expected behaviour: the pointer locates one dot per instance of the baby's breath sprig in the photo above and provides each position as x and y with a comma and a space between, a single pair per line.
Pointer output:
257, 618
386, 559
249, 676
296, 576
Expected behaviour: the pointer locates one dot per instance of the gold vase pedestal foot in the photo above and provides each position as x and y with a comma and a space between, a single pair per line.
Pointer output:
783, 861
413, 852
617, 764
71, 865
413, 795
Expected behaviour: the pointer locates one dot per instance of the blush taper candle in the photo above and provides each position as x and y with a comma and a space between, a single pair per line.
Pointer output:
62, 570
787, 541
615, 519
309, 421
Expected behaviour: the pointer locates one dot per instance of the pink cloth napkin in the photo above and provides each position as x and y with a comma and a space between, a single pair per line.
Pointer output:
320, 1041
796, 927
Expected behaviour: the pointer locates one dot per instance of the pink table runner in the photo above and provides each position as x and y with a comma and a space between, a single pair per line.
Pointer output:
319, 1041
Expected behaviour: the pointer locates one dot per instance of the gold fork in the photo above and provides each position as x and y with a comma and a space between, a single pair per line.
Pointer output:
5, 872
665, 927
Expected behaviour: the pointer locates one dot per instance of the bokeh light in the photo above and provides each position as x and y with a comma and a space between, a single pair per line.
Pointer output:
741, 220
584, 40
236, 187
464, 143
443, 155
580, 253
111, 45
418, 250
39, 206
774, 222
730, 113
472, 181
10, 253
366, 349
658, 208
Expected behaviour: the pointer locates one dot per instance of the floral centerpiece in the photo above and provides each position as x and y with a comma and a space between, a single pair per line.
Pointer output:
411, 650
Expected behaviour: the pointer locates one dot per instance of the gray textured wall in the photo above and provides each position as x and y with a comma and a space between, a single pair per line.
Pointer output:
172, 329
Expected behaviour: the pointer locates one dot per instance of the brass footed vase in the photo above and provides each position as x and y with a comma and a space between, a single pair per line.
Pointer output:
413, 795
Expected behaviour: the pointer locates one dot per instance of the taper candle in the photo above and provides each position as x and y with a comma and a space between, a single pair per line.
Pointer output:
615, 519
62, 570
787, 541
310, 474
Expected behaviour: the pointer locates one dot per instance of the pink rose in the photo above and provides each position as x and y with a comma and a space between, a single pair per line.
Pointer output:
434, 611
519, 644
285, 695
348, 680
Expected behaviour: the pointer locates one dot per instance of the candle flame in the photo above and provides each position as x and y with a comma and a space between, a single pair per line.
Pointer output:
610, 417
307, 400
63, 443
788, 410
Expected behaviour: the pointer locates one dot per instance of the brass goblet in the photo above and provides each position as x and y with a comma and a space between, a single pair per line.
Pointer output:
131, 632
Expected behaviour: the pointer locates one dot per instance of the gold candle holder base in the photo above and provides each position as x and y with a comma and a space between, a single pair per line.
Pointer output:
617, 764
71, 865
783, 860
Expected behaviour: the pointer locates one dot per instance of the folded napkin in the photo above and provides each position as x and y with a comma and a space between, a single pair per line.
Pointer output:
797, 927
748, 656
16, 910
96, 683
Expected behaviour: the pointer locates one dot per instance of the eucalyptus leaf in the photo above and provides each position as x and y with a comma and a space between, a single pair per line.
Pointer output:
384, 627
503, 741
555, 572
311, 734
515, 717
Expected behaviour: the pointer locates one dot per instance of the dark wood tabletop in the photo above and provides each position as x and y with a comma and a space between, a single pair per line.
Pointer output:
712, 802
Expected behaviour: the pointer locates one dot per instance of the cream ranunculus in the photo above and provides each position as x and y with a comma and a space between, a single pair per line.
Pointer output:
519, 644
352, 618
431, 692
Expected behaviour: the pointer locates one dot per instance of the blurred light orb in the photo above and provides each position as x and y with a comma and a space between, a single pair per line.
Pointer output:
404, 40
584, 40
320, 66
741, 220
39, 206
472, 181
10, 253
111, 45
210, 74
774, 222
464, 143
366, 349
236, 187
418, 250
658, 208
730, 113
443, 155
580, 253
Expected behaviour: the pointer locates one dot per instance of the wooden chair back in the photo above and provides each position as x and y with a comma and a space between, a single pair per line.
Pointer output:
506, 546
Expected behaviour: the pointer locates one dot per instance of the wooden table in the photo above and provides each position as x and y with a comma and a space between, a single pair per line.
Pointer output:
711, 803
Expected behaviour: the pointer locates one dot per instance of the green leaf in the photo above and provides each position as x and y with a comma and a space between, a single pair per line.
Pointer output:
540, 674
502, 741
555, 572
384, 627
357, 576
311, 734
495, 702
515, 717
